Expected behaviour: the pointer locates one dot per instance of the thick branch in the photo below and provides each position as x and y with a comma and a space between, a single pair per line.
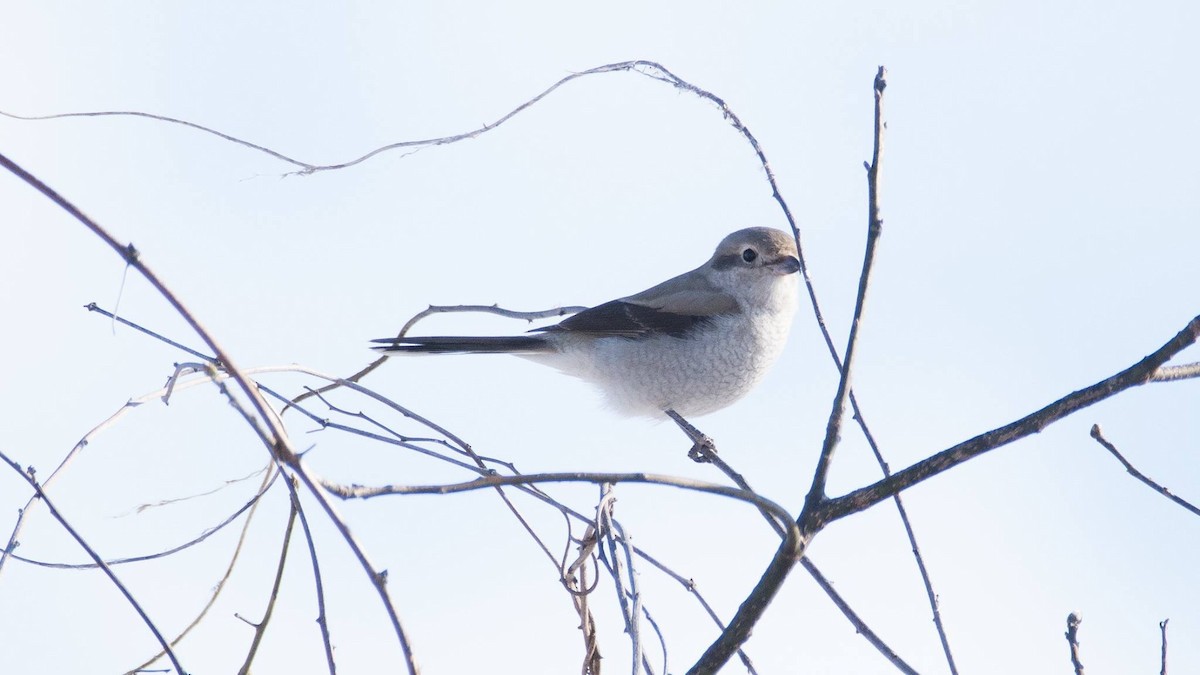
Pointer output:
1141, 372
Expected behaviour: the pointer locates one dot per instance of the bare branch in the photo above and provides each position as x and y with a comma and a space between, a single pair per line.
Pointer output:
930, 595
1162, 627
816, 494
1185, 371
1137, 374
1099, 436
629, 598
488, 309
691, 587
752, 608
1072, 635
859, 625
260, 629
320, 588
488, 481
93, 307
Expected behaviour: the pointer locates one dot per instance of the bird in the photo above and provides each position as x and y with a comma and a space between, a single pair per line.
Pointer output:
689, 346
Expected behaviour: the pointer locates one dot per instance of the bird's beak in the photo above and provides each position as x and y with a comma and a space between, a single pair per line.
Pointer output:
785, 266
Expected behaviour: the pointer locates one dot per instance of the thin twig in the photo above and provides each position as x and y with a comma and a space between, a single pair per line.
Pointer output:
93, 307
628, 599
860, 625
322, 622
1162, 627
1072, 635
112, 576
816, 494
604, 560
528, 317
260, 629
1099, 436
662, 641
377, 577
691, 587
1185, 371
591, 642
580, 592
930, 594
489, 481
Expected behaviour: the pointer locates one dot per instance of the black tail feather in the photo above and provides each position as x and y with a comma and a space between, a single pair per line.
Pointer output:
520, 344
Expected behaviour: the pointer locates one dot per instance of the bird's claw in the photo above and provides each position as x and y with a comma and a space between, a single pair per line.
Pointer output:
703, 450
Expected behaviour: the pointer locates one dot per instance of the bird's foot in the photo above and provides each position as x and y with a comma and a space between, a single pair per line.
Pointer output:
703, 451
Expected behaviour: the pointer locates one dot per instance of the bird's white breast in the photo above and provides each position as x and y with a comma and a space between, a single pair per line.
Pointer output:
701, 372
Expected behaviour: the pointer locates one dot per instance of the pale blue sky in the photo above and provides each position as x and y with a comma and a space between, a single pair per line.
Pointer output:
1039, 188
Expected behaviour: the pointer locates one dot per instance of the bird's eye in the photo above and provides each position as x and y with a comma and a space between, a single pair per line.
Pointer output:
749, 255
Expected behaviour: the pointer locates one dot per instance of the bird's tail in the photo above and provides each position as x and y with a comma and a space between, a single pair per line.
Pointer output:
516, 344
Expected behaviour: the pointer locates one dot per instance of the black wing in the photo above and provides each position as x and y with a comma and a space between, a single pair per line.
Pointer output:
625, 319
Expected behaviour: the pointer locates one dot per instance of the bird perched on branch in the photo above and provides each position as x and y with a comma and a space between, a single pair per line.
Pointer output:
690, 345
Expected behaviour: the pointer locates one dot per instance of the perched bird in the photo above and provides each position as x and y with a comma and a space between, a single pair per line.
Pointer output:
690, 345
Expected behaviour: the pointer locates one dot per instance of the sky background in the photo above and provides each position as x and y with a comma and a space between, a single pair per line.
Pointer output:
1039, 206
